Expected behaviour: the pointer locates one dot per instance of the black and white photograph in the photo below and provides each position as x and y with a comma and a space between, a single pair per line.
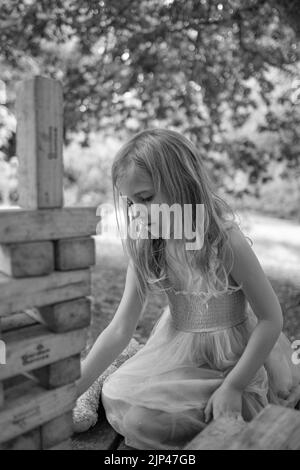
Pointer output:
150, 227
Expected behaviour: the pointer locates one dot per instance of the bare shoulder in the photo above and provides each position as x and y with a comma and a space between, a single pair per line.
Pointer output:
236, 236
243, 255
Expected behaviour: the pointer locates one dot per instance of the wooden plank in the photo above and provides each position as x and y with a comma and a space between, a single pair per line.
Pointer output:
18, 294
27, 259
58, 430
1, 395
16, 321
217, 435
63, 316
74, 253
59, 373
3, 353
14, 382
66, 445
29, 406
29, 441
17, 225
35, 347
2, 360
39, 110
274, 428
66, 316
100, 437
123, 446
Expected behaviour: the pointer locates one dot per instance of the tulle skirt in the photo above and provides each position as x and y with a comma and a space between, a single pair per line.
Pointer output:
156, 399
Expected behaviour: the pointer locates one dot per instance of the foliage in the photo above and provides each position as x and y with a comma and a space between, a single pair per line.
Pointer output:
201, 67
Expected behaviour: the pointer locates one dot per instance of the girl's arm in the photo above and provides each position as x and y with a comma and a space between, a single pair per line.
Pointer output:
108, 346
116, 336
264, 302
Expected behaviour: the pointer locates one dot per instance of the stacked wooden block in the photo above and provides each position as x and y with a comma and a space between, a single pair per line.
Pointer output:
273, 428
46, 251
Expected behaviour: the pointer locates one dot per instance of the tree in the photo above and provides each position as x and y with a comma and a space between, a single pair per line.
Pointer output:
185, 64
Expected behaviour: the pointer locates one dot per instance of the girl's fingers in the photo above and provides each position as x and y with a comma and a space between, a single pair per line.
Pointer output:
207, 411
293, 397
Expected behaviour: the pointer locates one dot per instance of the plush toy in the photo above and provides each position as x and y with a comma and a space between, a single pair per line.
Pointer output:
88, 406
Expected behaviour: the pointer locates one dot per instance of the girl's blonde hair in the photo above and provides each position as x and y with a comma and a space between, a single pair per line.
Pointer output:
176, 167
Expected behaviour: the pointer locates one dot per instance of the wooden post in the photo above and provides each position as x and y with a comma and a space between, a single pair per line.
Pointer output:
39, 143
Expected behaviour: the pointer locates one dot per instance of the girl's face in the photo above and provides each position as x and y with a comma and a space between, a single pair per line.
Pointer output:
137, 186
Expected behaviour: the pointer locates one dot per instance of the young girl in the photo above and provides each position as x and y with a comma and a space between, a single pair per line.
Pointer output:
218, 347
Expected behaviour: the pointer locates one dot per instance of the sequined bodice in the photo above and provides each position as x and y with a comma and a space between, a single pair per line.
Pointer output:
197, 311
189, 313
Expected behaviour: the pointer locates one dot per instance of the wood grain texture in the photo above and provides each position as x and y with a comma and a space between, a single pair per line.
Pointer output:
17, 225
217, 435
29, 441
123, 446
66, 316
16, 321
18, 294
1, 395
65, 445
274, 428
74, 253
39, 110
57, 431
34, 347
28, 406
59, 373
27, 259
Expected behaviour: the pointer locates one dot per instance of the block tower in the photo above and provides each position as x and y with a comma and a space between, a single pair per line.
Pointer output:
46, 251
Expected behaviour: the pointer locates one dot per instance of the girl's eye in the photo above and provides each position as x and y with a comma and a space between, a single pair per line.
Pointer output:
129, 203
147, 199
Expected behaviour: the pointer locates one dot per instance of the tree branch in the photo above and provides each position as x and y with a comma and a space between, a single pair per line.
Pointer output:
246, 48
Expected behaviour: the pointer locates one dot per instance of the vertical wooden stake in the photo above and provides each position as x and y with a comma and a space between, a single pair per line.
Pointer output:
2, 352
39, 109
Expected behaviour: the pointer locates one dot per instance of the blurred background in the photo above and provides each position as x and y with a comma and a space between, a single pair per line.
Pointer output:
226, 74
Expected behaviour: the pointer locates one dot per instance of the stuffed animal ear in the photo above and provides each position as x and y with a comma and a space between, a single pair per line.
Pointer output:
89, 406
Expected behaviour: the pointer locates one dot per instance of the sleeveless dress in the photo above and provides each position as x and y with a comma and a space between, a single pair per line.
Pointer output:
156, 398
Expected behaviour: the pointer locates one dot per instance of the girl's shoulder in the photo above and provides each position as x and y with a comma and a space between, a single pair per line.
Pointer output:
236, 235
237, 243
231, 225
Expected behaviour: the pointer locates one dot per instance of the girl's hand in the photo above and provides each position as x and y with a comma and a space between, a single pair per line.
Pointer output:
225, 401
